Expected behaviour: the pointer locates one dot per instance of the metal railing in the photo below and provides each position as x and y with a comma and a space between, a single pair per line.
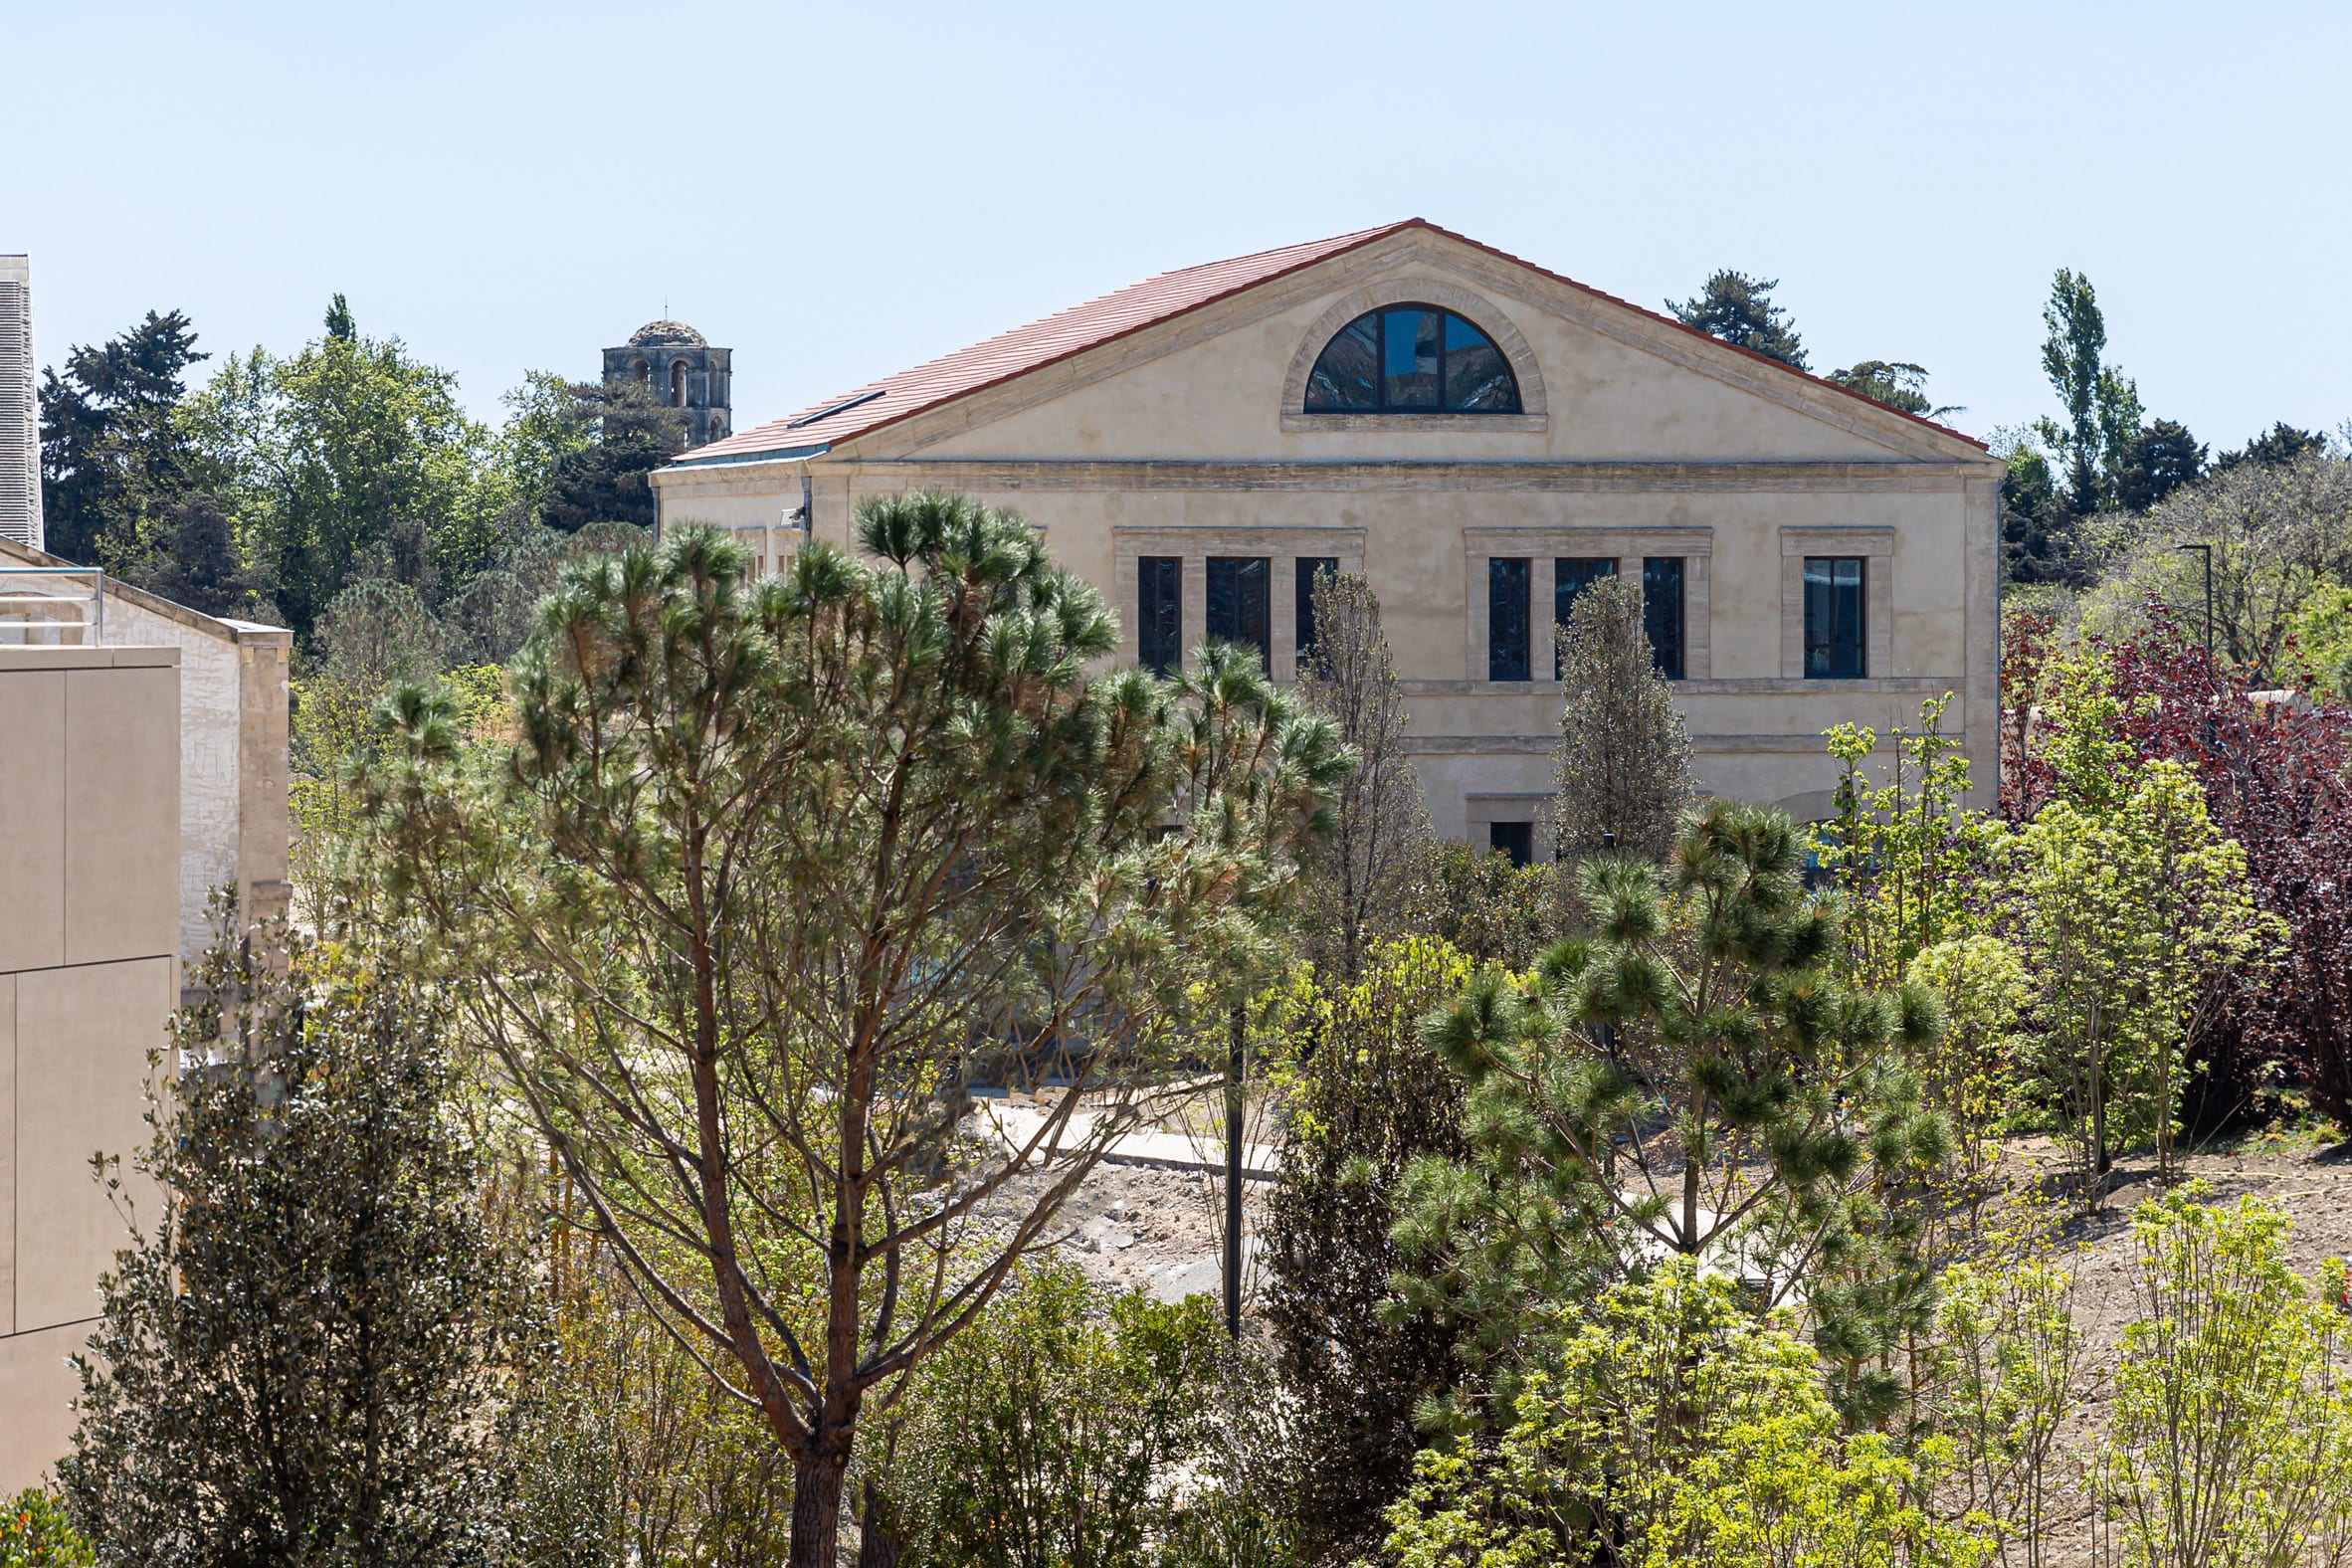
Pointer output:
53, 606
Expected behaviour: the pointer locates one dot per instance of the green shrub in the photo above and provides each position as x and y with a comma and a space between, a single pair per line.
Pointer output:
1046, 1434
1677, 1428
36, 1533
2230, 1439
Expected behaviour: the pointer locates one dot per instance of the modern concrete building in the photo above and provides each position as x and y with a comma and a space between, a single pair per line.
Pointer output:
1480, 436
675, 361
233, 733
20, 407
89, 937
143, 765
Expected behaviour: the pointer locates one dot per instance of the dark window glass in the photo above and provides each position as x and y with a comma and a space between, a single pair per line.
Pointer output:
1506, 618
1159, 612
1478, 378
1661, 613
1572, 575
1237, 611
1514, 838
1347, 373
1410, 358
1834, 618
1311, 567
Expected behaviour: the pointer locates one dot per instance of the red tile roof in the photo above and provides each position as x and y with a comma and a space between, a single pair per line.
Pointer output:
1098, 321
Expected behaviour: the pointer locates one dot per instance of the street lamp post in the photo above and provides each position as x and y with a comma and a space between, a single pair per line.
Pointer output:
1233, 1176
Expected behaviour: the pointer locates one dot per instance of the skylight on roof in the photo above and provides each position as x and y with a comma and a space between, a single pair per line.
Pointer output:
844, 406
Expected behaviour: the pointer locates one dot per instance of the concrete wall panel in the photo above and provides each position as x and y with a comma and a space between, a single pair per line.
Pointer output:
31, 828
81, 1041
37, 1392
123, 813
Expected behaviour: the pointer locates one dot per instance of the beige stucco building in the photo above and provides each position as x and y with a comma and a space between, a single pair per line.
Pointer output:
1477, 435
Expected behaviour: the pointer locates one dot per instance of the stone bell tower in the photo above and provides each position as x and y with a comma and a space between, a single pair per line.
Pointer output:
684, 371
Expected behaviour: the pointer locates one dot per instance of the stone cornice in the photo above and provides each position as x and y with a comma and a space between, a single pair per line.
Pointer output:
1111, 475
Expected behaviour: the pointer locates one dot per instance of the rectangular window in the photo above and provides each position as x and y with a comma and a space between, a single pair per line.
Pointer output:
1572, 575
1311, 567
1507, 591
1661, 613
1159, 612
1237, 610
1514, 838
1834, 618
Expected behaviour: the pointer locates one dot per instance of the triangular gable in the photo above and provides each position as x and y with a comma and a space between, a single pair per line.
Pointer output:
992, 376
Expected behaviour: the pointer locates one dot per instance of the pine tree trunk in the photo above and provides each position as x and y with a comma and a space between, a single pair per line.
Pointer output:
816, 1506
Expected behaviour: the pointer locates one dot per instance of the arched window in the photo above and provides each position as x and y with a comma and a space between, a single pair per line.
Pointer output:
677, 383
644, 372
1411, 359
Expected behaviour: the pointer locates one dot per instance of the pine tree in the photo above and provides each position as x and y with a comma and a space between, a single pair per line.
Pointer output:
1739, 310
2158, 461
115, 459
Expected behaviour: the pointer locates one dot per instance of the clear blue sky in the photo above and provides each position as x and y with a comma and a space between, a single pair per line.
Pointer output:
838, 191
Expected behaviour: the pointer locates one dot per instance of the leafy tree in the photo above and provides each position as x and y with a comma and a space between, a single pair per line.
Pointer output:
770, 867
1680, 1428
1357, 884
1478, 902
1904, 851
2040, 541
303, 1357
1045, 1435
379, 631
196, 562
1367, 1101
2282, 537
1624, 763
616, 434
328, 452
2128, 906
1739, 310
2230, 1435
2160, 459
115, 458
2280, 784
1897, 384
2282, 445
2102, 403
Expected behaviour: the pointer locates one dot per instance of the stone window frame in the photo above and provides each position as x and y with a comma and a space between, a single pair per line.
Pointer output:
1547, 546
1481, 809
1875, 543
1282, 548
1480, 311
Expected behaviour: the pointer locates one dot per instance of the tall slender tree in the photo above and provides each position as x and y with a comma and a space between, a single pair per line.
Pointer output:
2102, 403
1624, 763
1357, 884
